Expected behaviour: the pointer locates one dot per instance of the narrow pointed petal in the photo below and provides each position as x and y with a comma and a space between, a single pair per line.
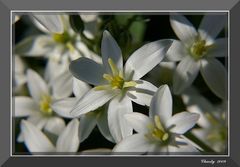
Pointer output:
53, 64
161, 104
139, 122
116, 122
176, 52
110, 49
51, 22
69, 141
211, 26
146, 58
136, 143
87, 124
34, 139
37, 120
24, 106
35, 46
91, 101
182, 122
63, 107
102, 123
220, 48
87, 70
183, 29
62, 85
215, 76
142, 93
55, 125
186, 72
36, 85
80, 87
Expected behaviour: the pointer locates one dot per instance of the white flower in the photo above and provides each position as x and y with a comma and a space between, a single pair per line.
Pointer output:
59, 44
213, 120
116, 83
160, 132
38, 107
37, 142
198, 50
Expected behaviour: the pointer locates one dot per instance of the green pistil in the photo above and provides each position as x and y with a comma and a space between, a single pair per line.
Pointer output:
45, 105
157, 131
115, 80
62, 38
199, 48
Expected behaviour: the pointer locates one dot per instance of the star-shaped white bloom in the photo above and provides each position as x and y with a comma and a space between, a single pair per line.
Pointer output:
160, 132
117, 84
197, 51
213, 121
59, 43
37, 142
38, 107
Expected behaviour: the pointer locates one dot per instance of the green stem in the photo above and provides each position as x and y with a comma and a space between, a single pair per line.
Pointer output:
201, 144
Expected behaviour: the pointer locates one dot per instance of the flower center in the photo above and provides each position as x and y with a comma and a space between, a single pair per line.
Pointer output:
199, 48
62, 38
45, 105
157, 131
116, 79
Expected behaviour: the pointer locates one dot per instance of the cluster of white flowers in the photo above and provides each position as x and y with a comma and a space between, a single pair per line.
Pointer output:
80, 89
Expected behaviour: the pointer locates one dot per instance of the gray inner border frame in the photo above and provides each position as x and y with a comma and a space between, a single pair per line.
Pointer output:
5, 9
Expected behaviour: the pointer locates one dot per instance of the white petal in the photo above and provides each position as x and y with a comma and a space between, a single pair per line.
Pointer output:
55, 62
146, 58
87, 124
220, 48
36, 119
183, 148
186, 72
215, 75
19, 65
64, 106
36, 85
136, 143
182, 122
62, 85
51, 22
183, 29
85, 52
80, 87
91, 101
139, 122
198, 104
211, 26
87, 70
35, 46
35, 140
69, 141
89, 17
142, 93
110, 49
102, 123
176, 52
24, 106
116, 122
55, 125
161, 104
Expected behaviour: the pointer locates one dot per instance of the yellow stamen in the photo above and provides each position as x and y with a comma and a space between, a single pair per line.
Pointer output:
45, 105
199, 48
113, 67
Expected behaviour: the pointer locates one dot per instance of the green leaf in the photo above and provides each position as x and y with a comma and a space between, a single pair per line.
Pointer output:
76, 23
